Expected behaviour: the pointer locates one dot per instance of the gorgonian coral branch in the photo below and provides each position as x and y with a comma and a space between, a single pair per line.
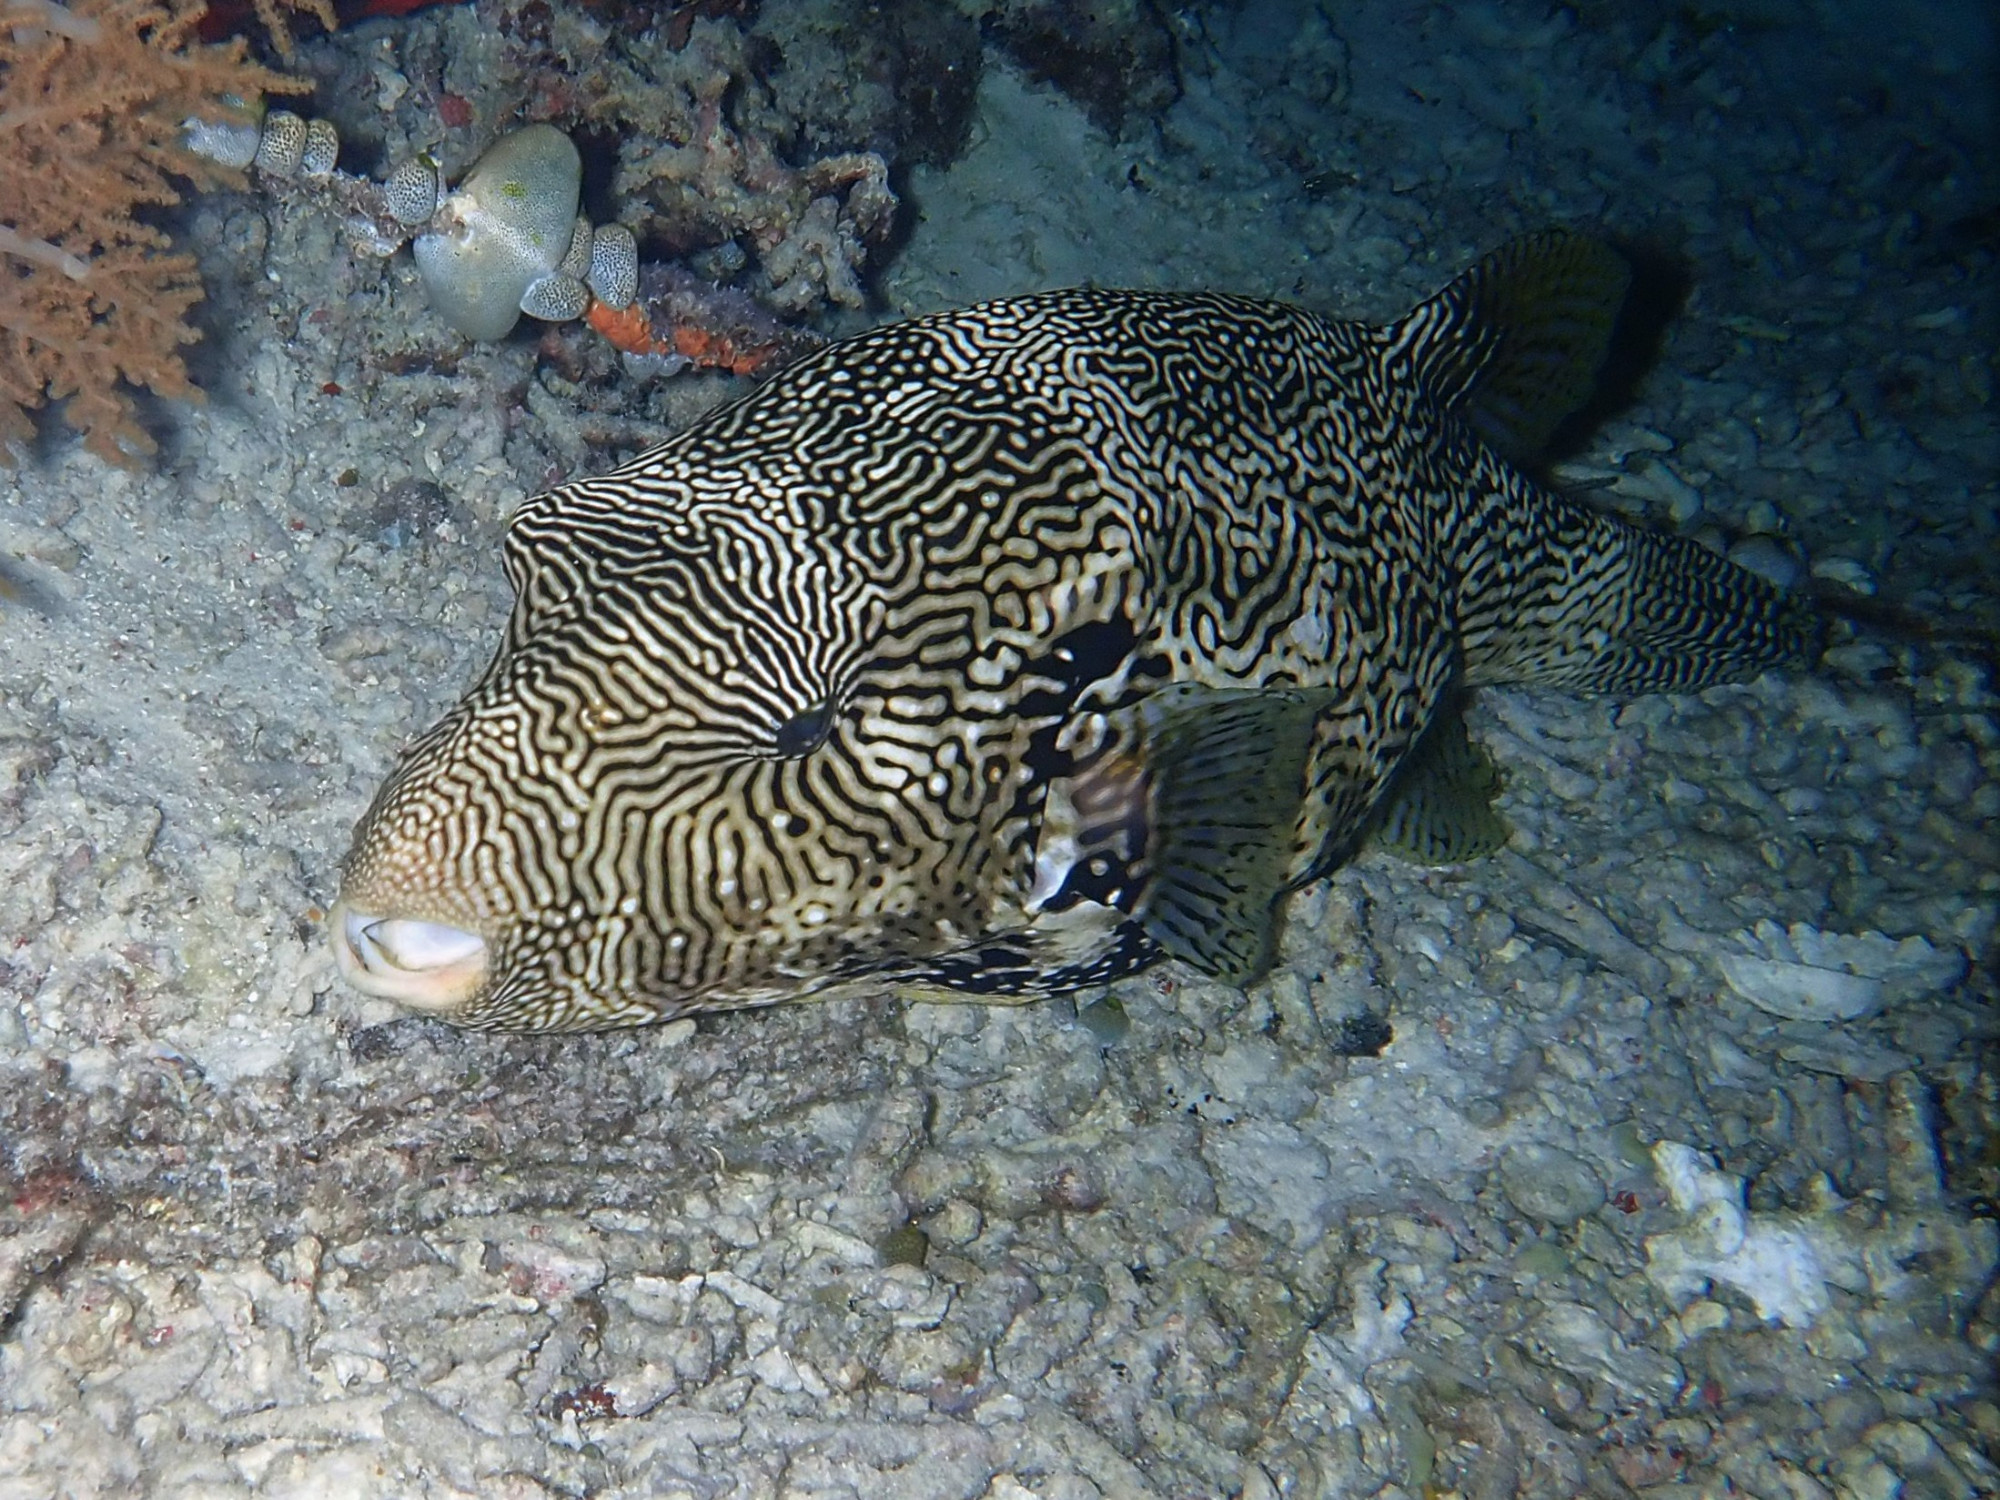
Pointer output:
93, 97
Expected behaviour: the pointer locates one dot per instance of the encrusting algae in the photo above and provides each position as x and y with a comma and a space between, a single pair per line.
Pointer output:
1006, 651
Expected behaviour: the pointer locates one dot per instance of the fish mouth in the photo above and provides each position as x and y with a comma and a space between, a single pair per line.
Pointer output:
423, 965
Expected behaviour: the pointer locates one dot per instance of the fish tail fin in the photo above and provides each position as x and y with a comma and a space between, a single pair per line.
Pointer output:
1551, 592
1598, 605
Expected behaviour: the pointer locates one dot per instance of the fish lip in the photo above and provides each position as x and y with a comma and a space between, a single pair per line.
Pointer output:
365, 955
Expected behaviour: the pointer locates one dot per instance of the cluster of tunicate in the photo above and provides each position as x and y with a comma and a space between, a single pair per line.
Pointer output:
507, 240
278, 142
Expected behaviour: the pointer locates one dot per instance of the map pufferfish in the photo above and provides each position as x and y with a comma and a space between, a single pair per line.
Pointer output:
1005, 651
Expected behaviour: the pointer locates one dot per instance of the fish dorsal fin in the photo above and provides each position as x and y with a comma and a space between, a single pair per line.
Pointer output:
1439, 810
1228, 776
1515, 344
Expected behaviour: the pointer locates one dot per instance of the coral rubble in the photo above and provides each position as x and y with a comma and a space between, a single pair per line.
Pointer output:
93, 98
1115, 58
1911, 1262
1805, 974
698, 171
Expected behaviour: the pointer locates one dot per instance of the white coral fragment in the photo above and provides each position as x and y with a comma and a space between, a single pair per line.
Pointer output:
1782, 1262
1804, 974
1914, 1265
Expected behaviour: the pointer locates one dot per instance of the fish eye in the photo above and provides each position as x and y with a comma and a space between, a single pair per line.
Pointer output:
805, 731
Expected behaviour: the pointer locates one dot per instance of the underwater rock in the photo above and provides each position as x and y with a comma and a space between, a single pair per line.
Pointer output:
1801, 992
1549, 1184
1577, 1339
1804, 974
1116, 59
895, 77
1833, 1051
1769, 559
810, 229
496, 241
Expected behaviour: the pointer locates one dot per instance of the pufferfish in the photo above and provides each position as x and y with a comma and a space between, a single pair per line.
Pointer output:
1005, 651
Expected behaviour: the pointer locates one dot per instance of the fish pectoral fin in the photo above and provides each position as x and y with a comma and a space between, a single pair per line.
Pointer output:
1516, 343
1439, 809
1228, 774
